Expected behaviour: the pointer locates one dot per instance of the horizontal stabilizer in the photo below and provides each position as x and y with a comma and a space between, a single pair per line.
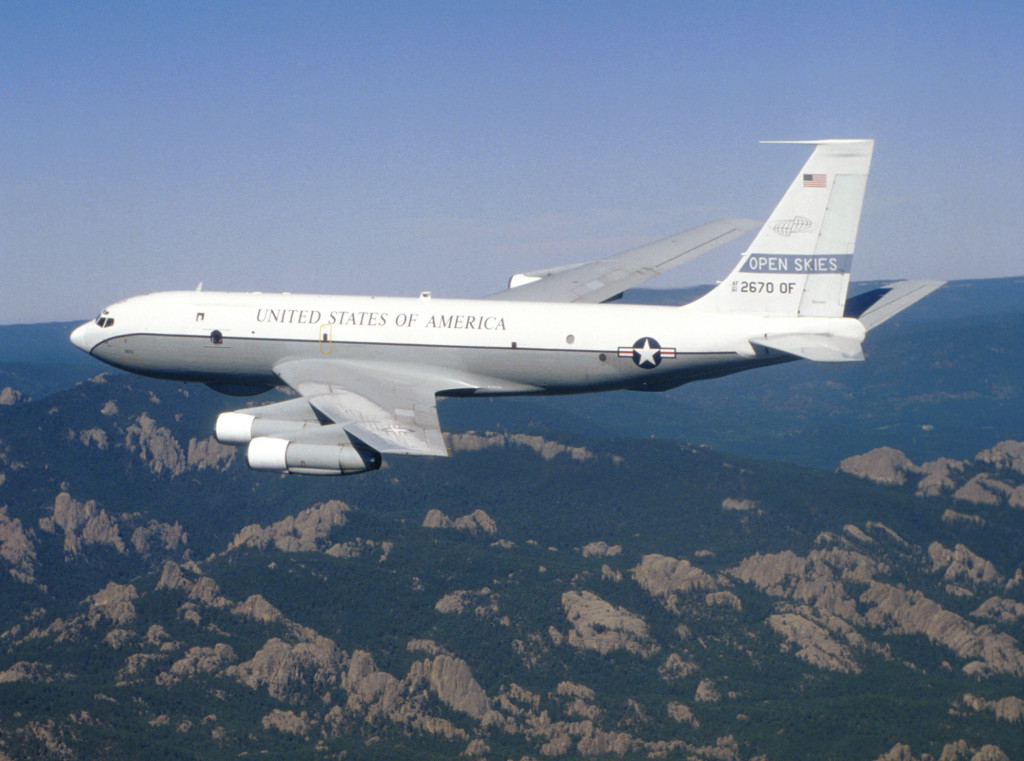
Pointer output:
875, 307
815, 347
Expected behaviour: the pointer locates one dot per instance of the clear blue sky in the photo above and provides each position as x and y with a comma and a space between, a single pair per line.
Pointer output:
393, 147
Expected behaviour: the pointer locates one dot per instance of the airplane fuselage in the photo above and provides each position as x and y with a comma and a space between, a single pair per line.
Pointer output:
367, 371
485, 347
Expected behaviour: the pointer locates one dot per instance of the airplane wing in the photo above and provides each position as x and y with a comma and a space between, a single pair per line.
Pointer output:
605, 279
393, 410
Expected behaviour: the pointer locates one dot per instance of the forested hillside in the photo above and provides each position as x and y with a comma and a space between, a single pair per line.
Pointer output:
565, 586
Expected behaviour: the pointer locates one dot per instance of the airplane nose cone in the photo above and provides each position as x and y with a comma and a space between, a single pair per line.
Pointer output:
80, 337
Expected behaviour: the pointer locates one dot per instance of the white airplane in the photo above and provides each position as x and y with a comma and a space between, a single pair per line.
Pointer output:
368, 370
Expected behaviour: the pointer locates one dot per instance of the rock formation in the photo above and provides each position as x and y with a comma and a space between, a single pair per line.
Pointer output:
82, 524
475, 521
16, 548
289, 671
601, 550
305, 532
884, 465
667, 578
601, 626
814, 644
114, 603
998, 482
1009, 709
962, 565
473, 442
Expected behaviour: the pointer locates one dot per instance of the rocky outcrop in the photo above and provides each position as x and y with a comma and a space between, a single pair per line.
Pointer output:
453, 683
157, 447
199, 590
474, 442
16, 548
682, 714
1004, 455
1000, 609
437, 519
896, 609
24, 671
1000, 466
667, 578
815, 582
962, 566
83, 525
813, 643
156, 536
601, 550
286, 721
940, 476
289, 671
706, 692
377, 695
952, 518
257, 608
884, 465
209, 453
601, 626
675, 667
982, 490
476, 521
956, 751
483, 601
114, 603
739, 505
199, 660
454, 602
11, 395
94, 437
1009, 709
359, 547
305, 532
136, 665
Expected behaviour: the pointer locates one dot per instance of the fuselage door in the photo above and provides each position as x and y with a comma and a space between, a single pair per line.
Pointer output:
326, 332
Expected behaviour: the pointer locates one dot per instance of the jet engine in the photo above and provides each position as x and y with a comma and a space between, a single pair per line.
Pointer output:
284, 456
289, 418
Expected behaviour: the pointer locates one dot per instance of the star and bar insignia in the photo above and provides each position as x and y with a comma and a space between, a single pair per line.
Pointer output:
647, 353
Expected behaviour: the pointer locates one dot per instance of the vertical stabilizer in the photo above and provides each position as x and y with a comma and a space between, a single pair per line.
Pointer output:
799, 263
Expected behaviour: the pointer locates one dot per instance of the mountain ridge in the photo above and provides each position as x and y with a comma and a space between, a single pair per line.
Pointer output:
554, 590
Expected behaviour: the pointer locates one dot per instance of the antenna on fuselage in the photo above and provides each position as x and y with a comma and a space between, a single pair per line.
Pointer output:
200, 286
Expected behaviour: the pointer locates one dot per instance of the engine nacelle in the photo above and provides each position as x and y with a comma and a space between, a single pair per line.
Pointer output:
286, 419
268, 453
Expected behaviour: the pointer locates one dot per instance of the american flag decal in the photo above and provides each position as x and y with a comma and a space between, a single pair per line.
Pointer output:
814, 180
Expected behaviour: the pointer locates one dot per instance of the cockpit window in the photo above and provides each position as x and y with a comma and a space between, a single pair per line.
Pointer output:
105, 322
